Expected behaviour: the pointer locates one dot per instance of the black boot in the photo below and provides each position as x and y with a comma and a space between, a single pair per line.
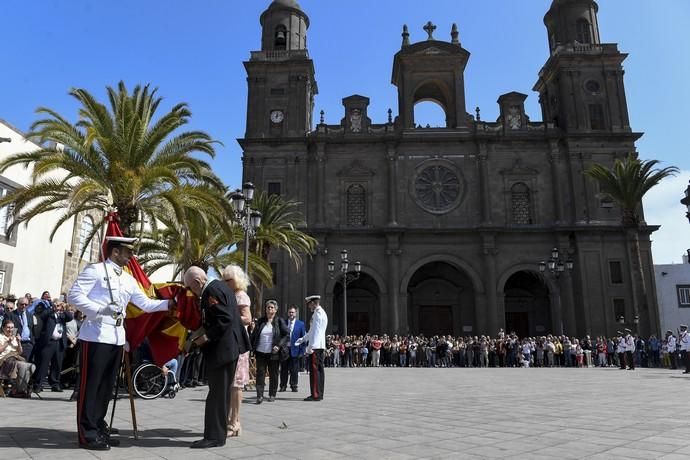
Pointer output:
259, 394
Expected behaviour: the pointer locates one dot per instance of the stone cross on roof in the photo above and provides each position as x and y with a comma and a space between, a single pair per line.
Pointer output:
429, 28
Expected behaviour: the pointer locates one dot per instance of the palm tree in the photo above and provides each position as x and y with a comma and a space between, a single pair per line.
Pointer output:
626, 184
201, 241
117, 157
279, 230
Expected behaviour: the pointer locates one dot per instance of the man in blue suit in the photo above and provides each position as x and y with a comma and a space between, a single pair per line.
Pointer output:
292, 364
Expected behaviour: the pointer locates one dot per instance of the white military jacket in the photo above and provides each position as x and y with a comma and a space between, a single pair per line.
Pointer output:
316, 337
684, 340
89, 294
671, 344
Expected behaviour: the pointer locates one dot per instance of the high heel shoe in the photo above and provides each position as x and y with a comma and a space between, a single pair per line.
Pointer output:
234, 431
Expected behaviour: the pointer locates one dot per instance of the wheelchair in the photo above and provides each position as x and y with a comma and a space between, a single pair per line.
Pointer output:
150, 382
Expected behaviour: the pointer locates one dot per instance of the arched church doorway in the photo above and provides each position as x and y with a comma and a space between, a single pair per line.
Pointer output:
527, 305
363, 306
440, 301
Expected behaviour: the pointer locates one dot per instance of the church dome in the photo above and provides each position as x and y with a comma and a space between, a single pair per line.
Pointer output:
286, 3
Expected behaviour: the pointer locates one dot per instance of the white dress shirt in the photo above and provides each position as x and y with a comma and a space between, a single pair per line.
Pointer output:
89, 294
316, 337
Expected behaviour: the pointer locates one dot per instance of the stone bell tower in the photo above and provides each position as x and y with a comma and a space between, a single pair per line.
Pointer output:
431, 70
280, 77
581, 84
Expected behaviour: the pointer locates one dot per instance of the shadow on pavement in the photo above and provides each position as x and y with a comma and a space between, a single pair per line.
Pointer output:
53, 439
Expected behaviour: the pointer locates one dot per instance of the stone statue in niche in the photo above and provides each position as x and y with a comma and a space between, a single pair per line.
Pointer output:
356, 120
513, 118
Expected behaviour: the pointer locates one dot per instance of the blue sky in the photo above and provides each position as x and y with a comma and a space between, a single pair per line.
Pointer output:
193, 52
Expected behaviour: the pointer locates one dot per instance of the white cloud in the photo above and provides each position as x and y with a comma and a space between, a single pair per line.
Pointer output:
662, 207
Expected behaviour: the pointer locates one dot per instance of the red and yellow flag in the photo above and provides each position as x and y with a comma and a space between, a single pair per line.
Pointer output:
166, 331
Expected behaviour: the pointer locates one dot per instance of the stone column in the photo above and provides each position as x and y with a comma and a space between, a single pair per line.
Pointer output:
398, 313
392, 157
485, 201
490, 251
320, 183
556, 177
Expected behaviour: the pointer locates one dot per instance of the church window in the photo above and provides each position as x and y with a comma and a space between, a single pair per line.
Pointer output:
356, 206
280, 42
437, 188
84, 231
616, 272
584, 33
274, 188
521, 204
596, 116
619, 309
6, 218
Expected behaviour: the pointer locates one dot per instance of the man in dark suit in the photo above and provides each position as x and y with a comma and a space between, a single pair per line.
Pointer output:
292, 364
24, 324
51, 342
221, 345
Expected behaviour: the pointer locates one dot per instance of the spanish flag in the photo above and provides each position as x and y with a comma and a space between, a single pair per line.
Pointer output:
166, 331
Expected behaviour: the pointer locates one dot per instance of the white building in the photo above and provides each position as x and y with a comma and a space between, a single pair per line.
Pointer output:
673, 294
29, 261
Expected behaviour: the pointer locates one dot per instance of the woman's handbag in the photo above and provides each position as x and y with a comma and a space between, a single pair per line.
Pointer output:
284, 353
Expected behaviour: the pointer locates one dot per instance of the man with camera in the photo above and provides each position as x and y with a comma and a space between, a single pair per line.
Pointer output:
51, 342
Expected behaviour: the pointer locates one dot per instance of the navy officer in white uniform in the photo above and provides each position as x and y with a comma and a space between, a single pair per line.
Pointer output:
102, 292
316, 347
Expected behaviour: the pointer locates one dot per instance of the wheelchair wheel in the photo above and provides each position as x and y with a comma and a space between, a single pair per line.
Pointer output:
149, 381
172, 394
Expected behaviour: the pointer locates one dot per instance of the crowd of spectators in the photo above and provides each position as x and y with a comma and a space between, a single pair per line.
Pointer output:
54, 350
504, 350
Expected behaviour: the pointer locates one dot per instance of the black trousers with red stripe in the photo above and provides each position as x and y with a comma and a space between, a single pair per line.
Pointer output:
99, 365
316, 375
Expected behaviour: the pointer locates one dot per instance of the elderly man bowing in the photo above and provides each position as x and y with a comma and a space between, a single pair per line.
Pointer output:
222, 343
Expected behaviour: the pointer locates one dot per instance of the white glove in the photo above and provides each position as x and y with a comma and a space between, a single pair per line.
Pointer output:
299, 341
110, 310
126, 346
309, 350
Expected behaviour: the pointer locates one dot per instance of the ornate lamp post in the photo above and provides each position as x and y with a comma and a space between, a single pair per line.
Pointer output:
249, 219
555, 265
347, 277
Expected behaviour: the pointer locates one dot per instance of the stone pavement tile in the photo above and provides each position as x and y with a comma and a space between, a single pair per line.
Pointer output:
675, 457
559, 452
13, 453
360, 451
420, 450
459, 445
608, 441
644, 444
495, 451
635, 453
673, 439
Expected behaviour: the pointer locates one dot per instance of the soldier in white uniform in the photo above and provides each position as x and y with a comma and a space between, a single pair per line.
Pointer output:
684, 340
629, 350
671, 348
102, 292
316, 347
620, 350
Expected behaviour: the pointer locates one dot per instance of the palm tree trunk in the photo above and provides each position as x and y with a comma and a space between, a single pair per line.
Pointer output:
640, 302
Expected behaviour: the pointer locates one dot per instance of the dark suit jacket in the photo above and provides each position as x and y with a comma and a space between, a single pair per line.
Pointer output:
15, 316
223, 325
297, 331
48, 322
280, 333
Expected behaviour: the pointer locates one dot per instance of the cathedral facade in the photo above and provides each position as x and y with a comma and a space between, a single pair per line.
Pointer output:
461, 229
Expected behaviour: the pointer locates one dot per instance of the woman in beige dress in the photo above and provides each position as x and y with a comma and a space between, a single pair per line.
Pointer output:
238, 281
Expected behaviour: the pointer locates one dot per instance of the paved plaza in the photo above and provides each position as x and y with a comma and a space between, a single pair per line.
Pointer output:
398, 414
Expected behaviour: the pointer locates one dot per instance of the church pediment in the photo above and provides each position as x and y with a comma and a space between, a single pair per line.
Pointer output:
356, 169
519, 169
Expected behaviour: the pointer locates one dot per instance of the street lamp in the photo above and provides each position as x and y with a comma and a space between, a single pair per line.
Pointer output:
555, 265
686, 202
249, 219
347, 277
